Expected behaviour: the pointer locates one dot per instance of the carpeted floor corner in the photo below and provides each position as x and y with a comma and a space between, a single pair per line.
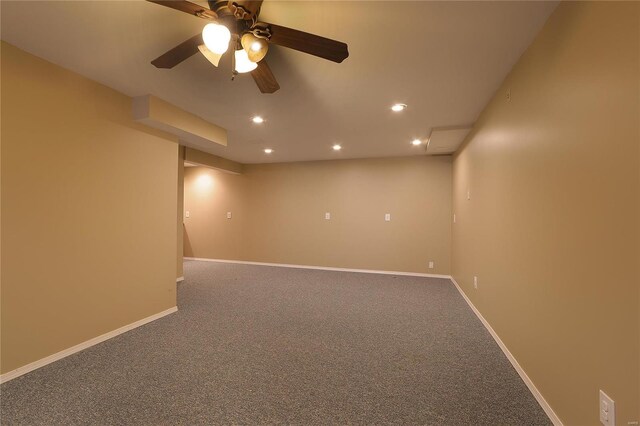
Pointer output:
268, 345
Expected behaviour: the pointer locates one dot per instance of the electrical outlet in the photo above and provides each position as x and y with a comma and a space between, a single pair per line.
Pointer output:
187, 214
327, 216
475, 282
468, 194
387, 217
431, 265
607, 410
228, 215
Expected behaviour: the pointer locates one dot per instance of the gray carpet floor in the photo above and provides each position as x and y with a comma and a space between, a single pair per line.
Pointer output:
268, 345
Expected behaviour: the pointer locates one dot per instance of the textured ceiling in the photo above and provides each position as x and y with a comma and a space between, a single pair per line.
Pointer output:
444, 59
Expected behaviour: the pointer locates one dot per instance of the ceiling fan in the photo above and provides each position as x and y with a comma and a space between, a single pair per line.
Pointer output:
234, 23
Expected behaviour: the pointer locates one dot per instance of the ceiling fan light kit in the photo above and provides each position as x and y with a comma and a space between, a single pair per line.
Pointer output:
216, 37
236, 22
243, 64
256, 47
214, 58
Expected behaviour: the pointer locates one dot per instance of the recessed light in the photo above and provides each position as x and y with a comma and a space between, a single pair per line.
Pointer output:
336, 147
416, 142
398, 107
268, 150
257, 119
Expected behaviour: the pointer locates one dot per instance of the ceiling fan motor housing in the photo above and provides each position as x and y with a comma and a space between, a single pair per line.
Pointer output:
244, 10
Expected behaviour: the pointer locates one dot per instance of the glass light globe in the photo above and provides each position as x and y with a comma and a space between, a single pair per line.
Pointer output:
243, 64
216, 37
255, 47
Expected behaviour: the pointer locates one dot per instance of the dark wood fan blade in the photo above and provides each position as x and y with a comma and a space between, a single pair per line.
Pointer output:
187, 7
179, 53
326, 48
264, 78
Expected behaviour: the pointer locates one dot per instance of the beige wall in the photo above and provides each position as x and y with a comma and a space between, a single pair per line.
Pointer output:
200, 158
88, 211
278, 213
551, 229
188, 127
180, 241
208, 195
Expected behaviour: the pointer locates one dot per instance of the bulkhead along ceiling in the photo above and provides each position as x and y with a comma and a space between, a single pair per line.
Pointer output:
444, 60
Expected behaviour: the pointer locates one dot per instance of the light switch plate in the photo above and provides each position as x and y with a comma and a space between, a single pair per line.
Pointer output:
186, 214
607, 410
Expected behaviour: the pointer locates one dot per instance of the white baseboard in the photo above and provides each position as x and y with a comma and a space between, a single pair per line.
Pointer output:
179, 279
536, 393
323, 268
84, 345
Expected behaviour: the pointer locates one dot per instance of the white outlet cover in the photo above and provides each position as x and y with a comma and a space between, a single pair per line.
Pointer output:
327, 216
387, 217
607, 410
468, 195
228, 215
430, 265
475, 282
186, 214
